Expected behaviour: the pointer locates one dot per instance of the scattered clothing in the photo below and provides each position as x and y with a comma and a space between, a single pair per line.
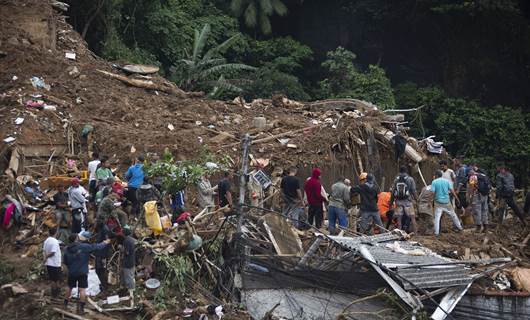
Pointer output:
434, 147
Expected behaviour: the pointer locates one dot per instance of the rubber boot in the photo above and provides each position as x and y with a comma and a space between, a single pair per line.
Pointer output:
80, 308
478, 228
485, 229
66, 303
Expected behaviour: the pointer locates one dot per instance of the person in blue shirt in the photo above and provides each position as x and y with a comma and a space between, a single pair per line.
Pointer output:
135, 178
442, 188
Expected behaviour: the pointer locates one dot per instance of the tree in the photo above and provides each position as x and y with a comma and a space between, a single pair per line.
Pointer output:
344, 80
208, 69
256, 13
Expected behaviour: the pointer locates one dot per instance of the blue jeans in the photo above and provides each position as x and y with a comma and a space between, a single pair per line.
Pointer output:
335, 214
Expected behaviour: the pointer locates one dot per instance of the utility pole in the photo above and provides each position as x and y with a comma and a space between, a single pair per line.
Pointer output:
245, 145
238, 237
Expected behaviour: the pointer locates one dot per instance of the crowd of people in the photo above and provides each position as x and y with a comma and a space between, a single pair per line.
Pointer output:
96, 222
114, 203
467, 188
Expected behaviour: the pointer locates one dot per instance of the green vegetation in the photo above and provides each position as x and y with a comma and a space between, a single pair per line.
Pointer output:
465, 60
203, 70
256, 13
177, 175
344, 80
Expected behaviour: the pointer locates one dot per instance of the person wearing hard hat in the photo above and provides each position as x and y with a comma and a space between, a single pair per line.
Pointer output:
368, 191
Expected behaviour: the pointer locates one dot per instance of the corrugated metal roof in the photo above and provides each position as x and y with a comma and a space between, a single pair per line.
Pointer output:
392, 253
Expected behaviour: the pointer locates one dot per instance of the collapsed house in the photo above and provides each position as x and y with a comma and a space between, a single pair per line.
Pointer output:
59, 102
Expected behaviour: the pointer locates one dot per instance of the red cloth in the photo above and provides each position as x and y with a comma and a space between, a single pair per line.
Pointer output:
117, 188
8, 214
313, 189
183, 216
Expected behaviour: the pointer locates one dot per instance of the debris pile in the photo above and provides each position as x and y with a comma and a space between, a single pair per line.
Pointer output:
59, 103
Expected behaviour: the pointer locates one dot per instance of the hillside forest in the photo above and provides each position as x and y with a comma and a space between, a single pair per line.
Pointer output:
466, 63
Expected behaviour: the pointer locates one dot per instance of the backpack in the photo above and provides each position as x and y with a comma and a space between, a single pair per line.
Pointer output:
401, 190
483, 184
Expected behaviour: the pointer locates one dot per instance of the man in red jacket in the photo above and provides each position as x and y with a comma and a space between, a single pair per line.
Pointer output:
315, 200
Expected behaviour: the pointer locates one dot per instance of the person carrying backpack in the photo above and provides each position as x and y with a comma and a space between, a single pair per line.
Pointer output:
506, 191
403, 192
478, 190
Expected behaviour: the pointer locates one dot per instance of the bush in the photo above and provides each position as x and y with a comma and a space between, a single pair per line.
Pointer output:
269, 81
344, 80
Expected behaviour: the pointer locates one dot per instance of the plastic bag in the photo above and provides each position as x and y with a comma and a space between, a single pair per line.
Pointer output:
152, 218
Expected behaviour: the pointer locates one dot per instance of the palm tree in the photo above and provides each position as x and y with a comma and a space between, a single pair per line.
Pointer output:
210, 68
257, 12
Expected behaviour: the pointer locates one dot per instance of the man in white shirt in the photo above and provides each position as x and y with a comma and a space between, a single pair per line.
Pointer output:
92, 180
52, 260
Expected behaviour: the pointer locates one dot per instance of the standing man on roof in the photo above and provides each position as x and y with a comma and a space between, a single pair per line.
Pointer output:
506, 191
403, 193
442, 188
368, 190
291, 195
315, 199
339, 202
135, 178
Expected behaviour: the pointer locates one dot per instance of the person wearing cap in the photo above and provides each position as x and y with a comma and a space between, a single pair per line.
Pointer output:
135, 178
402, 194
315, 199
77, 199
339, 201
76, 258
368, 191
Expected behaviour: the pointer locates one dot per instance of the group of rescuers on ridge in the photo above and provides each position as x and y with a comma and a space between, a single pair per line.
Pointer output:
467, 187
110, 201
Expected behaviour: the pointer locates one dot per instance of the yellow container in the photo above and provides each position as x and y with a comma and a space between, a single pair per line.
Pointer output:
84, 175
152, 218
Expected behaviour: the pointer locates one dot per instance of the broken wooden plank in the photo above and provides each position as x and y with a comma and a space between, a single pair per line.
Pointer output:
69, 314
284, 239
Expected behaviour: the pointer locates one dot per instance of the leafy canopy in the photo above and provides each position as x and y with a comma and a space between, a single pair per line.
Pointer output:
344, 80
257, 13
208, 69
